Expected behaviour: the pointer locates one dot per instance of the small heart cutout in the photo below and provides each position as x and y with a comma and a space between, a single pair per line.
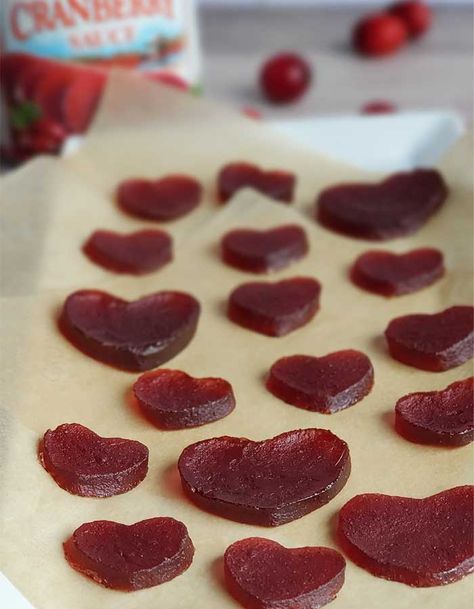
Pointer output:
262, 251
419, 542
137, 253
174, 400
396, 274
276, 184
133, 336
162, 200
443, 417
269, 482
275, 309
141, 555
262, 574
322, 384
398, 206
86, 464
433, 342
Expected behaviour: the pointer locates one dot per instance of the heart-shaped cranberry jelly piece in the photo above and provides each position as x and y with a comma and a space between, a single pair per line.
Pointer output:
276, 184
162, 200
275, 309
133, 336
438, 417
84, 463
420, 542
398, 206
322, 384
141, 555
396, 274
433, 342
174, 400
262, 574
138, 253
262, 251
269, 482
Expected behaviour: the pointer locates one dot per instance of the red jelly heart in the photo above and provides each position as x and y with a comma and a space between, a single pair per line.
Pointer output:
262, 574
162, 200
398, 206
83, 463
137, 253
262, 251
322, 384
174, 400
433, 342
275, 309
419, 542
133, 336
393, 275
269, 482
278, 185
438, 417
142, 555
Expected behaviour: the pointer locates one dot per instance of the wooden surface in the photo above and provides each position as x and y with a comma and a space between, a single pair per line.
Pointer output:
436, 72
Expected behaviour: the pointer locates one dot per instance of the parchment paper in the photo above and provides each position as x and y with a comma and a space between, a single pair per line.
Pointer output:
47, 382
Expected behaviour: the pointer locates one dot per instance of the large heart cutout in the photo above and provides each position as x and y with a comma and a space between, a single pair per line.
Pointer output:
269, 482
133, 336
262, 251
84, 463
420, 542
262, 574
322, 384
396, 274
443, 417
137, 253
398, 206
174, 400
141, 555
276, 184
275, 309
433, 342
162, 200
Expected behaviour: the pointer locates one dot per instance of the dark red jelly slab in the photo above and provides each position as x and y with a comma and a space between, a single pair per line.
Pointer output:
141, 555
322, 384
133, 336
174, 400
433, 342
396, 274
269, 482
262, 574
438, 417
419, 542
262, 251
276, 184
162, 200
137, 253
275, 309
398, 206
84, 463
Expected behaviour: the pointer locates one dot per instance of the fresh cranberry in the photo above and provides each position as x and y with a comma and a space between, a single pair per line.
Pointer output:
378, 106
416, 15
379, 34
285, 77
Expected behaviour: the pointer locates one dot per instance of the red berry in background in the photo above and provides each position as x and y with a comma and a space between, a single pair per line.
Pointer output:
378, 106
285, 77
379, 34
416, 15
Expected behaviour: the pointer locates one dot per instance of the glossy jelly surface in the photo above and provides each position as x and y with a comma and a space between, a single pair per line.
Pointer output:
275, 309
269, 482
174, 400
133, 336
322, 384
398, 206
420, 542
276, 184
